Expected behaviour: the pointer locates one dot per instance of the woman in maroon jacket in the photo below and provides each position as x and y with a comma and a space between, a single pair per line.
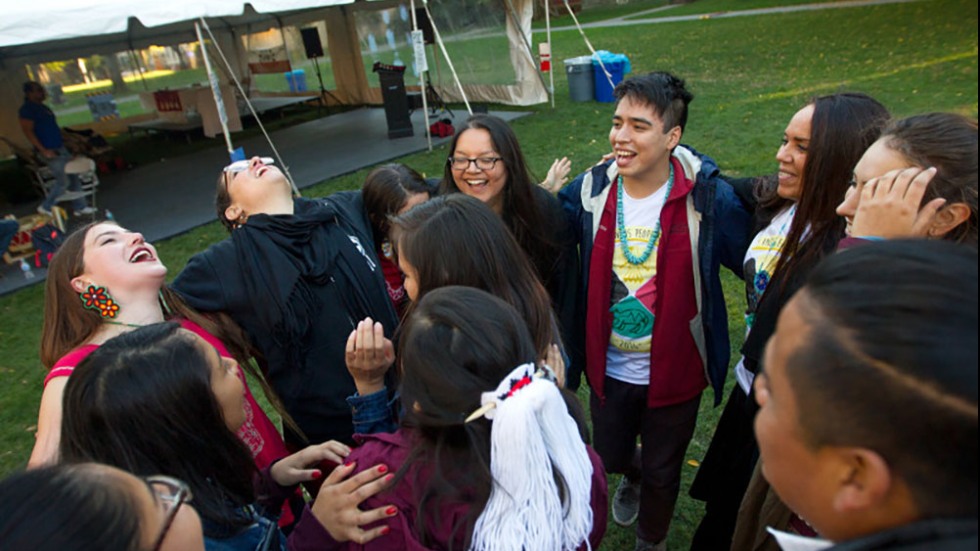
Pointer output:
489, 454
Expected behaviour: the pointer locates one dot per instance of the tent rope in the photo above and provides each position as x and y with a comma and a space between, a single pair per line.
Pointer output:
234, 78
589, 44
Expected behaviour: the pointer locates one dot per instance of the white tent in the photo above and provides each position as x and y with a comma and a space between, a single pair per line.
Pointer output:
49, 30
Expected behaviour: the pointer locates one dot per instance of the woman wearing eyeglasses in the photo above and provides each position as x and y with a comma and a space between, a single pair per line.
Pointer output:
91, 506
162, 400
297, 275
486, 162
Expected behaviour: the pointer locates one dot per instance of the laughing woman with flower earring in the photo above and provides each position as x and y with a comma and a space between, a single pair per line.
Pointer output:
105, 281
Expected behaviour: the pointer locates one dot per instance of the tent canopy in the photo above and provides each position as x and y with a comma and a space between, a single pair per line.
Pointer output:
54, 29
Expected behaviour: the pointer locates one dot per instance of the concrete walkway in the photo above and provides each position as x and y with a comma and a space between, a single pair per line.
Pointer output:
639, 19
174, 195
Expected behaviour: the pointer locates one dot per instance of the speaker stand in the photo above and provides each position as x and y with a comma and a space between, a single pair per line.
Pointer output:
323, 91
435, 101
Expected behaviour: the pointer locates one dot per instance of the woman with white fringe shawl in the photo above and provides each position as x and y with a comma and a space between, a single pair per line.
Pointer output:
490, 452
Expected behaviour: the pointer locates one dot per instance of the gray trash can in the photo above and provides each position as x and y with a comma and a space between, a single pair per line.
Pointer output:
580, 78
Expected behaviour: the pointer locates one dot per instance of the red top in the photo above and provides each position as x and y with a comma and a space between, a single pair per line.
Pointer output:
258, 432
677, 373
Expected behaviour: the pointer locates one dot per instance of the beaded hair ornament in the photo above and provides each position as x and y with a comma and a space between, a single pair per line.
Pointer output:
532, 435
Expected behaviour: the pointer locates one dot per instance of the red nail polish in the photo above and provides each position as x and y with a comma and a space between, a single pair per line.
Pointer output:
391, 510
385, 530
389, 478
382, 468
348, 463
316, 475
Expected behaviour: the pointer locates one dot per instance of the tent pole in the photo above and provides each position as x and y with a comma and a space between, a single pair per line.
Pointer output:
551, 73
215, 89
445, 54
423, 75
251, 108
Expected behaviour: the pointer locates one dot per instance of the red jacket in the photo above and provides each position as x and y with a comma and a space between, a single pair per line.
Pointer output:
677, 372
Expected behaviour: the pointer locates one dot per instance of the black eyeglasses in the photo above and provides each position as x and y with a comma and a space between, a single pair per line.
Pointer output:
482, 163
173, 493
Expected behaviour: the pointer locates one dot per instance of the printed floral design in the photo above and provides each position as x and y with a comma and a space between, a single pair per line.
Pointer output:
97, 298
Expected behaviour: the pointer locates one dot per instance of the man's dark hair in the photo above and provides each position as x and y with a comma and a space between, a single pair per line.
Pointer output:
662, 91
890, 365
30, 86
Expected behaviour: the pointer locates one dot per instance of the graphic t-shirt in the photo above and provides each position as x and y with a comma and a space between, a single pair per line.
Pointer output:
760, 260
634, 292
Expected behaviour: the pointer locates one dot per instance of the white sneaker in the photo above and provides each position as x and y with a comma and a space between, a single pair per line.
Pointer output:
42, 210
87, 211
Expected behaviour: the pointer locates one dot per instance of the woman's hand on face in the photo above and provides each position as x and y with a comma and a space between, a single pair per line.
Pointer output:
557, 175
369, 355
556, 362
889, 205
302, 465
337, 503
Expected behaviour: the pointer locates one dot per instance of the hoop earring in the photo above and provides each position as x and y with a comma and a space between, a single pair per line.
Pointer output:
98, 298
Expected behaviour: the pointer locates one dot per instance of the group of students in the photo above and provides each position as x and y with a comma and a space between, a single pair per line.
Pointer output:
447, 326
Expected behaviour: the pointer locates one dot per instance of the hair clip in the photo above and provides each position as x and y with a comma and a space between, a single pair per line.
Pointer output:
515, 385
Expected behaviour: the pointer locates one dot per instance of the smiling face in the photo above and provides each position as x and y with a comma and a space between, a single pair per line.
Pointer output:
487, 185
411, 282
877, 161
259, 188
119, 260
641, 143
792, 154
226, 383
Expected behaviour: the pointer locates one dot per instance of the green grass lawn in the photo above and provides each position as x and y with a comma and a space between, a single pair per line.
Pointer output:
749, 75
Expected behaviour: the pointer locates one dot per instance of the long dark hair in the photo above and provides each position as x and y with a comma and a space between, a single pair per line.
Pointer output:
143, 402
385, 191
892, 360
68, 508
68, 324
843, 127
522, 210
457, 240
458, 343
948, 142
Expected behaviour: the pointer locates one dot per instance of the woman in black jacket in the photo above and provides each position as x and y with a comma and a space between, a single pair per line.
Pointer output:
297, 275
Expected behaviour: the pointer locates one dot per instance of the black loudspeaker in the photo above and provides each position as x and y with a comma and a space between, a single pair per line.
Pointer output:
311, 41
422, 17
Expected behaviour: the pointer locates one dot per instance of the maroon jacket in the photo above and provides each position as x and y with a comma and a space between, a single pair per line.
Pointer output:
392, 449
677, 372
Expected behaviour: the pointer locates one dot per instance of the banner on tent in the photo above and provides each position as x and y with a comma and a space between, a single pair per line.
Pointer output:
269, 60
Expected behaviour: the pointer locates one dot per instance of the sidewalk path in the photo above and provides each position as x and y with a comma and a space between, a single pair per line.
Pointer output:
636, 19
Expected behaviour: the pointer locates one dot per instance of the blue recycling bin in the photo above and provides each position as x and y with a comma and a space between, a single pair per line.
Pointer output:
296, 80
604, 90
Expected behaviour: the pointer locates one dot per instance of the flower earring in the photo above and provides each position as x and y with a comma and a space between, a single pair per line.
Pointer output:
98, 298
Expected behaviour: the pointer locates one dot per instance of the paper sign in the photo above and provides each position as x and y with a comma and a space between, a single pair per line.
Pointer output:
418, 45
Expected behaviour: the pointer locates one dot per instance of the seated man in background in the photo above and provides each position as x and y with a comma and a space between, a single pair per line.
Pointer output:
41, 129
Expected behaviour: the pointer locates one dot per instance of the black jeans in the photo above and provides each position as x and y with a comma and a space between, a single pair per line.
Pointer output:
664, 432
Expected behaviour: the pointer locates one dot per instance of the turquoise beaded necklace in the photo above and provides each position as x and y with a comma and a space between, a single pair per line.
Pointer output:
624, 243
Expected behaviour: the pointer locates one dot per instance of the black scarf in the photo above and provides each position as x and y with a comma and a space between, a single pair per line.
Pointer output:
283, 257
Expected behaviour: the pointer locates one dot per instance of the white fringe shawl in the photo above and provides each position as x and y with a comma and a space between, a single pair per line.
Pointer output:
531, 431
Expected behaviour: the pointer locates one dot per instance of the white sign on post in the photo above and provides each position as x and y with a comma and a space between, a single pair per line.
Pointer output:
418, 45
